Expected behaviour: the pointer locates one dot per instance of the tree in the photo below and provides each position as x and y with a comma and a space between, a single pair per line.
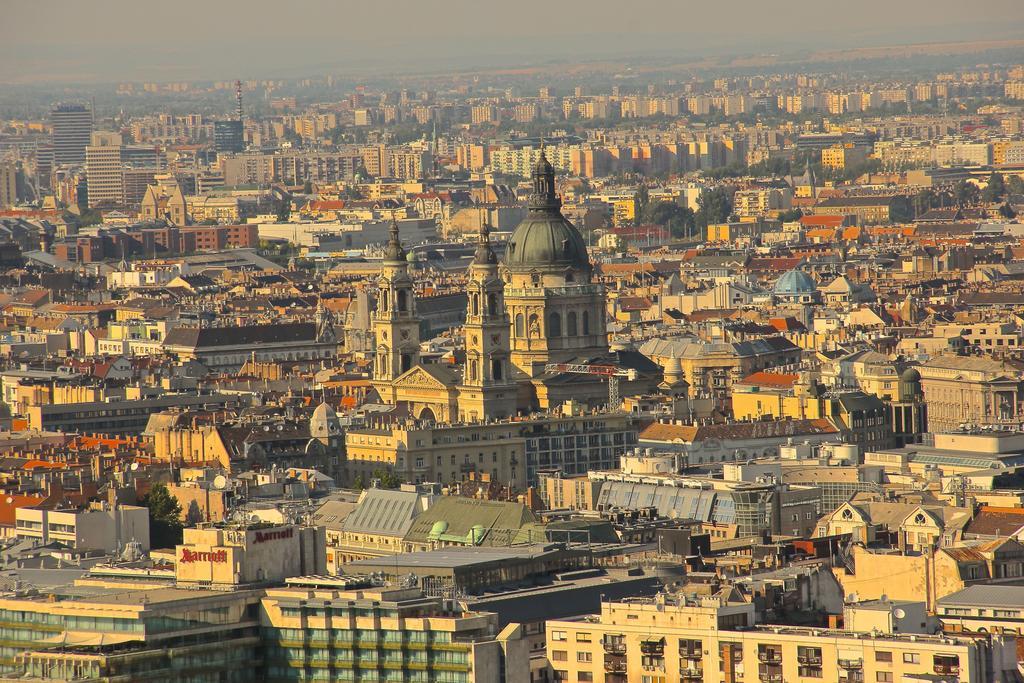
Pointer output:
679, 220
1006, 211
387, 478
643, 198
714, 206
995, 190
283, 209
965, 193
1015, 185
165, 526
307, 187
791, 215
924, 200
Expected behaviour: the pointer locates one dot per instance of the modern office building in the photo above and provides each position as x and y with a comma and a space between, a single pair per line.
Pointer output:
228, 136
104, 170
116, 633
72, 127
317, 629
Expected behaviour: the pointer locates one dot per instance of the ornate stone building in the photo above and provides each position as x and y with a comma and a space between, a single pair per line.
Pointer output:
557, 312
540, 306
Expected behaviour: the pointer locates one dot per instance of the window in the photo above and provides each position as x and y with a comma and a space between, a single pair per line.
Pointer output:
586, 322
883, 676
554, 325
584, 657
882, 656
559, 656
520, 328
582, 637
570, 324
585, 676
555, 635
911, 658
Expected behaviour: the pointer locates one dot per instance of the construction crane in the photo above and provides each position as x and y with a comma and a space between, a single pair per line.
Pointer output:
612, 372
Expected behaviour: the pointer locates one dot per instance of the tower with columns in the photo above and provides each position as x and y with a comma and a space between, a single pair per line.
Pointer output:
487, 390
395, 324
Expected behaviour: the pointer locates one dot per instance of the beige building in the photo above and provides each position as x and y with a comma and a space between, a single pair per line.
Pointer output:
104, 170
327, 633
510, 452
970, 390
676, 638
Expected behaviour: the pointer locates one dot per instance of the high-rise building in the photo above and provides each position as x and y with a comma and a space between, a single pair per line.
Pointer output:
104, 170
8, 183
228, 136
72, 128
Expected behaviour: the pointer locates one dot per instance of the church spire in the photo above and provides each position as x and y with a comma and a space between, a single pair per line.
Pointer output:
544, 197
394, 250
484, 253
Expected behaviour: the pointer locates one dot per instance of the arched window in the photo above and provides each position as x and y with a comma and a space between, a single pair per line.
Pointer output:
403, 301
384, 301
406, 362
471, 369
475, 304
570, 324
496, 370
554, 325
534, 326
520, 325
492, 304
586, 322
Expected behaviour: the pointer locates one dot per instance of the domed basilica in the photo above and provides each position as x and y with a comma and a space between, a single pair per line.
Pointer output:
539, 306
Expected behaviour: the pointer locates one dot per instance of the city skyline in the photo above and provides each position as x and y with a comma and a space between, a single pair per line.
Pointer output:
87, 42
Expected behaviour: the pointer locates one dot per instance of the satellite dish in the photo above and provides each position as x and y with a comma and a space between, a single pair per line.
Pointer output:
899, 613
220, 482
852, 597
884, 598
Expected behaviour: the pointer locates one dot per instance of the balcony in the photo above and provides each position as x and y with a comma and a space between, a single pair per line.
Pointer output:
615, 664
809, 660
851, 663
947, 669
769, 677
691, 674
615, 646
770, 656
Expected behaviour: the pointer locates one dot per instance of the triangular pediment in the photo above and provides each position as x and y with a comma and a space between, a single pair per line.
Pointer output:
419, 376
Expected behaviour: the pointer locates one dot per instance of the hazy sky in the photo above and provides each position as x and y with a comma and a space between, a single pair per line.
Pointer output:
111, 40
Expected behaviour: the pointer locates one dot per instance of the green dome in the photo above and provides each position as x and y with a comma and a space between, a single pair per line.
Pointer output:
542, 241
476, 534
545, 239
438, 528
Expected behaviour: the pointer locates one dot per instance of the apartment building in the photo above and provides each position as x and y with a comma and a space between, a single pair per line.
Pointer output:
101, 528
686, 639
319, 630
